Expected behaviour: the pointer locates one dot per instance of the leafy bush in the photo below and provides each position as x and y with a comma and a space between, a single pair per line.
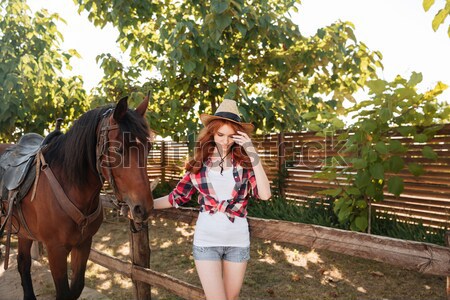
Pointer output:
318, 212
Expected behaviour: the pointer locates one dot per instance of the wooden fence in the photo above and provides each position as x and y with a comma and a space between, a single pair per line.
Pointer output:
420, 257
300, 155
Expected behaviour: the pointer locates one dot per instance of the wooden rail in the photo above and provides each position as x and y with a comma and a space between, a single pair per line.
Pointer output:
148, 276
425, 198
421, 257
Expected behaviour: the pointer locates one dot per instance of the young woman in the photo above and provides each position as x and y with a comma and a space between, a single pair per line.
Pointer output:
224, 169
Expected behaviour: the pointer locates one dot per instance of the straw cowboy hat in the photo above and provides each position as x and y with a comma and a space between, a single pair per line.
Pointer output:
227, 110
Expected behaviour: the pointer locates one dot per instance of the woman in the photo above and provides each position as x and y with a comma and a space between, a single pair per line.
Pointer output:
224, 169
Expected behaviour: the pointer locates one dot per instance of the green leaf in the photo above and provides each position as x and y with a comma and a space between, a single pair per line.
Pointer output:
358, 163
337, 123
396, 164
396, 146
439, 18
338, 204
427, 4
406, 130
420, 138
416, 169
219, 6
372, 156
344, 213
331, 192
428, 152
377, 86
362, 180
377, 171
405, 92
381, 147
395, 185
314, 127
361, 223
369, 125
189, 67
361, 204
222, 22
371, 190
385, 115
415, 78
353, 191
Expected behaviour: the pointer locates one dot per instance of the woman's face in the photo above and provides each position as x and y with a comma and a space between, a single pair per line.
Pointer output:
224, 137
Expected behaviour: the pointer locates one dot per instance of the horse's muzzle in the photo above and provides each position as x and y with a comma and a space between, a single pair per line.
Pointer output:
139, 214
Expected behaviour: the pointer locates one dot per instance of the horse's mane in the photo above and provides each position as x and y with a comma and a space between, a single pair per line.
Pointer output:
75, 152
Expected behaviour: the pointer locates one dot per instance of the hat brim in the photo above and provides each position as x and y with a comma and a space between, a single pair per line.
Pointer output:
208, 118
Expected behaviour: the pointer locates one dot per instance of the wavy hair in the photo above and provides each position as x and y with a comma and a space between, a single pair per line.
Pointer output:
204, 146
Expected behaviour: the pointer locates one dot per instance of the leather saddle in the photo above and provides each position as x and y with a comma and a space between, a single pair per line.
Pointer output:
16, 161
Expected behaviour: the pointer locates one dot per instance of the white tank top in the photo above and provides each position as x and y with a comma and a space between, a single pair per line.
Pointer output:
216, 229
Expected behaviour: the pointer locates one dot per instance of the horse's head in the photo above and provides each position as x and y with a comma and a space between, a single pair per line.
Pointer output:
122, 149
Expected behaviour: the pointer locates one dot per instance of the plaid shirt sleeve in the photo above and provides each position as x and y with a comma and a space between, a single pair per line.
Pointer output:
182, 192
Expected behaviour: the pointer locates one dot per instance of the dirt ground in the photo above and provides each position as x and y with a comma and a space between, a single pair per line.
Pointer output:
10, 288
276, 270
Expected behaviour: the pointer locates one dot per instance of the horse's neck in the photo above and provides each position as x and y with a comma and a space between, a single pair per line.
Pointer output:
83, 196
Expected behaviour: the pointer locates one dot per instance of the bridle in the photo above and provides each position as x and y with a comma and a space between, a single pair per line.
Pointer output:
102, 149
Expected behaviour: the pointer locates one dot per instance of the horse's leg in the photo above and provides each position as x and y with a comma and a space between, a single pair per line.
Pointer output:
79, 257
24, 266
57, 258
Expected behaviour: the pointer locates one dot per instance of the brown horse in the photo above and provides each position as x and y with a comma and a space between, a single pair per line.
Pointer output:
109, 143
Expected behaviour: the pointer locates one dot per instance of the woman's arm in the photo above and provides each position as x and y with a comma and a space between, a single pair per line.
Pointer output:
262, 182
181, 194
162, 202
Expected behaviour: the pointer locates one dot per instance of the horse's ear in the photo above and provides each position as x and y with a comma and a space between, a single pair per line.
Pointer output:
121, 109
142, 108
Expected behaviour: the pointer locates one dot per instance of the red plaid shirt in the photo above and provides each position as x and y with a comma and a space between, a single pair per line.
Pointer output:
236, 206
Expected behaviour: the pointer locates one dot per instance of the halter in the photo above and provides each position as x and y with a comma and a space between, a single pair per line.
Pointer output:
102, 149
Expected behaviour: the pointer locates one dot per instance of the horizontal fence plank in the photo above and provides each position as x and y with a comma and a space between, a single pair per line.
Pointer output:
303, 154
421, 257
172, 284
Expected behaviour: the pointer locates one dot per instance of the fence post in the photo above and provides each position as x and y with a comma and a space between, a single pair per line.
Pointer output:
163, 161
140, 256
447, 243
281, 164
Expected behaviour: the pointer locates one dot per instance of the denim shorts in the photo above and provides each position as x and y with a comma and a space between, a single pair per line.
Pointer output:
233, 254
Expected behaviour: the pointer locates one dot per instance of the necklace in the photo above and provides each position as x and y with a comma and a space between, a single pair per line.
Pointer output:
222, 160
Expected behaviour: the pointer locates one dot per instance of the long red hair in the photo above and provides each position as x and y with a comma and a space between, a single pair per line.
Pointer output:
204, 146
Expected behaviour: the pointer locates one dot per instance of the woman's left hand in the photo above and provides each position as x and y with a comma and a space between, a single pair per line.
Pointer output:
244, 140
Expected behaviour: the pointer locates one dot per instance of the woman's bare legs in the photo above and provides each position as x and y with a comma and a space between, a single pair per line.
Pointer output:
210, 274
233, 277
221, 280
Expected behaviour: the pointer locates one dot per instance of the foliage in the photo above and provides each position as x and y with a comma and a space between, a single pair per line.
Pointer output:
318, 212
245, 50
162, 189
440, 16
313, 212
373, 159
389, 225
33, 91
